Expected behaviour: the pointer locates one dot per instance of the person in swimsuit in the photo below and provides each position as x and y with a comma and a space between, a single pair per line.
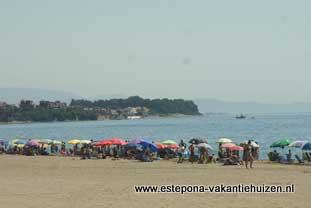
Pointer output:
192, 156
247, 155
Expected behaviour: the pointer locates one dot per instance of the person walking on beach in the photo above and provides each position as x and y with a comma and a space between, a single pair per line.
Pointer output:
247, 155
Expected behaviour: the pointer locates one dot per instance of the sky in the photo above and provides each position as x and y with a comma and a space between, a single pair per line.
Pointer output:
242, 50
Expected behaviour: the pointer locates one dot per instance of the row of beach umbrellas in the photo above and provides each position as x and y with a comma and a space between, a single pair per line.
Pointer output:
200, 143
301, 144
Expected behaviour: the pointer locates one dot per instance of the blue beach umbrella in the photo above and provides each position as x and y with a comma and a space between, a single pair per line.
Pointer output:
307, 146
2, 141
137, 141
131, 146
145, 144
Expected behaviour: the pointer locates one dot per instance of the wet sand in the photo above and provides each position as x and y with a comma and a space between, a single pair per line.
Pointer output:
70, 182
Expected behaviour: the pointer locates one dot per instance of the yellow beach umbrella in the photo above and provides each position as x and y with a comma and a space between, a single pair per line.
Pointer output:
20, 145
14, 141
17, 141
74, 141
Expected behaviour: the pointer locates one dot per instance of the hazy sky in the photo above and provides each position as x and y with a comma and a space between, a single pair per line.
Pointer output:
230, 50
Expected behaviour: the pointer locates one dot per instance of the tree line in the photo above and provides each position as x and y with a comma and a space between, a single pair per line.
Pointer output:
91, 110
156, 106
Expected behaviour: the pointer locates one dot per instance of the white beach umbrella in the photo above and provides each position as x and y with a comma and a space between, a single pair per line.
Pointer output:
224, 140
298, 143
204, 145
253, 143
85, 141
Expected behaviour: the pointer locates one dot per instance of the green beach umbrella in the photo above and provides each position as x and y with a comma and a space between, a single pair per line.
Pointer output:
281, 143
169, 142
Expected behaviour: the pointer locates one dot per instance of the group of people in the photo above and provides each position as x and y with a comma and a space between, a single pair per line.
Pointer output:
288, 157
232, 157
192, 153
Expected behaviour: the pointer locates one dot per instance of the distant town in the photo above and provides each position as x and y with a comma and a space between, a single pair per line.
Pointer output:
133, 107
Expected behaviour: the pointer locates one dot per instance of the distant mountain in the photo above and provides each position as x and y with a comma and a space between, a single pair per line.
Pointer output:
14, 95
217, 106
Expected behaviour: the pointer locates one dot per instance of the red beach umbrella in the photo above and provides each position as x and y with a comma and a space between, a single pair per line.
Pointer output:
161, 146
117, 141
236, 148
103, 143
173, 146
228, 145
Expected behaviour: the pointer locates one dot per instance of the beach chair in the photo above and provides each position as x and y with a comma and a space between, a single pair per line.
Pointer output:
299, 159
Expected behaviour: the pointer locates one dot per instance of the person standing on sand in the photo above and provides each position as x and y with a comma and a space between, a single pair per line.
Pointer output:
247, 155
182, 144
191, 149
181, 152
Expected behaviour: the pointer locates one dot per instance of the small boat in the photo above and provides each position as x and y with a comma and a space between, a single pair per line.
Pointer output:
240, 116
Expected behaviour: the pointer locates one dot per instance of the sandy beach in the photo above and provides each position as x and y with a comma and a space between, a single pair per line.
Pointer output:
71, 182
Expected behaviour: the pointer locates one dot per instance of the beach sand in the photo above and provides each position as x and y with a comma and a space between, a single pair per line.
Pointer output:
70, 182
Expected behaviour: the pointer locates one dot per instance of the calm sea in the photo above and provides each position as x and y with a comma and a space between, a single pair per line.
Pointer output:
264, 128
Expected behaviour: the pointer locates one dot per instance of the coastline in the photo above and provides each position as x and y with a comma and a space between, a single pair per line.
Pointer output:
42, 181
68, 121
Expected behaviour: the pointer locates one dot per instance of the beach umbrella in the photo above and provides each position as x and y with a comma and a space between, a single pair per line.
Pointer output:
197, 141
298, 143
232, 147
169, 142
131, 146
57, 142
224, 140
18, 141
45, 141
160, 146
85, 141
204, 145
172, 146
228, 145
74, 141
33, 143
117, 141
103, 142
3, 142
136, 141
146, 144
194, 141
20, 145
307, 146
281, 143
253, 143
236, 148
